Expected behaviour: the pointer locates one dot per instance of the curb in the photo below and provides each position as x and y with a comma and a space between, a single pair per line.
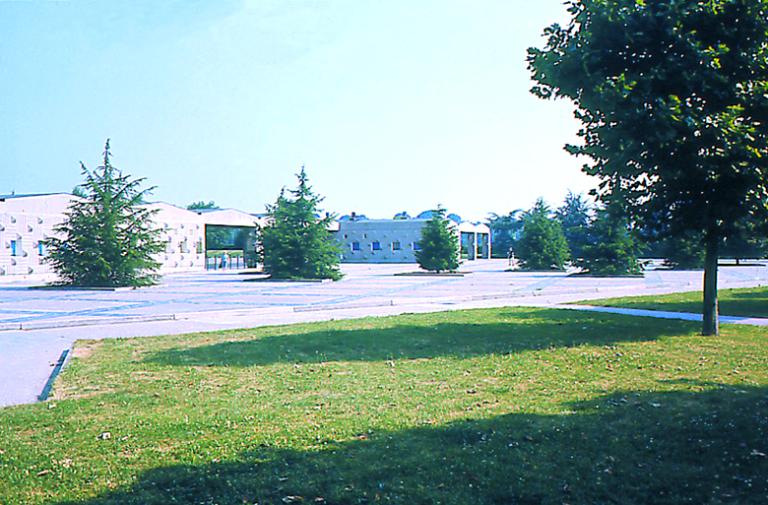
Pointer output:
52, 378
69, 323
320, 308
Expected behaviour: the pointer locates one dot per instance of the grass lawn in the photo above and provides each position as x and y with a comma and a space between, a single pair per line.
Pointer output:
497, 406
732, 302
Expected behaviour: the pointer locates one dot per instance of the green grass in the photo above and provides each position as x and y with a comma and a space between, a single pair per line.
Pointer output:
497, 406
750, 302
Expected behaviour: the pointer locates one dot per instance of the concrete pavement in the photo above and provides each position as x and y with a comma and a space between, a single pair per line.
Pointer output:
216, 301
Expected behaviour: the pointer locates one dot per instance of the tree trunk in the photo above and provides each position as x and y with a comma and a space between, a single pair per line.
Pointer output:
711, 324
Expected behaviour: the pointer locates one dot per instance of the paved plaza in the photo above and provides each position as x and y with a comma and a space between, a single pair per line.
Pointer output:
37, 325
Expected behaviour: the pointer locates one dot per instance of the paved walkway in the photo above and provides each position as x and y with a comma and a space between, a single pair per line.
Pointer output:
663, 314
54, 319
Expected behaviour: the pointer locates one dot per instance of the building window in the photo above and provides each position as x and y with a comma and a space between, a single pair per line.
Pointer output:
14, 248
355, 246
376, 245
40, 249
416, 246
396, 246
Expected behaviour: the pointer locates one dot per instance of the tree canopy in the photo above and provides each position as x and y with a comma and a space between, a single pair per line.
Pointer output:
574, 217
202, 205
296, 242
107, 238
439, 244
673, 96
505, 230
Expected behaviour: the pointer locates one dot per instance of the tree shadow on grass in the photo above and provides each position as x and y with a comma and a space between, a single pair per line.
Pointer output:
751, 295
504, 333
747, 304
628, 448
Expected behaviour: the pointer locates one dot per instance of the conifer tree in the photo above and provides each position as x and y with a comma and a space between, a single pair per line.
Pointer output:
439, 245
296, 242
610, 248
542, 244
107, 238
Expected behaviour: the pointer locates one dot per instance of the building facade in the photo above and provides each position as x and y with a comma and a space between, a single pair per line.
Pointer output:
26, 220
397, 240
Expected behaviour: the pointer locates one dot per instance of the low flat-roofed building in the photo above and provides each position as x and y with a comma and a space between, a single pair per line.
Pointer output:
26, 220
230, 217
397, 240
475, 240
183, 232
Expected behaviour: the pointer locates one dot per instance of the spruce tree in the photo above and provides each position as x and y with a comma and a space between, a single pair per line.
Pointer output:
439, 244
542, 244
610, 248
296, 242
107, 238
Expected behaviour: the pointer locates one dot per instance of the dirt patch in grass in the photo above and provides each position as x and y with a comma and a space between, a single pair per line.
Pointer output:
84, 348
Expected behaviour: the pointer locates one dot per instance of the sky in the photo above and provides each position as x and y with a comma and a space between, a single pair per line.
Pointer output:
391, 106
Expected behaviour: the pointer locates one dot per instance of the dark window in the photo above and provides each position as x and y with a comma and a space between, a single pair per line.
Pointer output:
355, 246
396, 246
416, 246
376, 245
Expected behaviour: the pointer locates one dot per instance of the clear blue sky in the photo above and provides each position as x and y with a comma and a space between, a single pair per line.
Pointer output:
391, 105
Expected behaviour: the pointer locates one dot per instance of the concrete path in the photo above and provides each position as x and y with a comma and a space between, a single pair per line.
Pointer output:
662, 314
54, 319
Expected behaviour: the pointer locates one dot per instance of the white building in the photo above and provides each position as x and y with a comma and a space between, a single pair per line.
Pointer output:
397, 240
183, 232
25, 220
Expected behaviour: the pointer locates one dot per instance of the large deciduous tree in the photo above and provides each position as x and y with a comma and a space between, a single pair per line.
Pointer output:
574, 217
439, 244
673, 98
297, 243
108, 238
505, 230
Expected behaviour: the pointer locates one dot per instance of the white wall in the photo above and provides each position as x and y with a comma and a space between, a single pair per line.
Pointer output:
28, 219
